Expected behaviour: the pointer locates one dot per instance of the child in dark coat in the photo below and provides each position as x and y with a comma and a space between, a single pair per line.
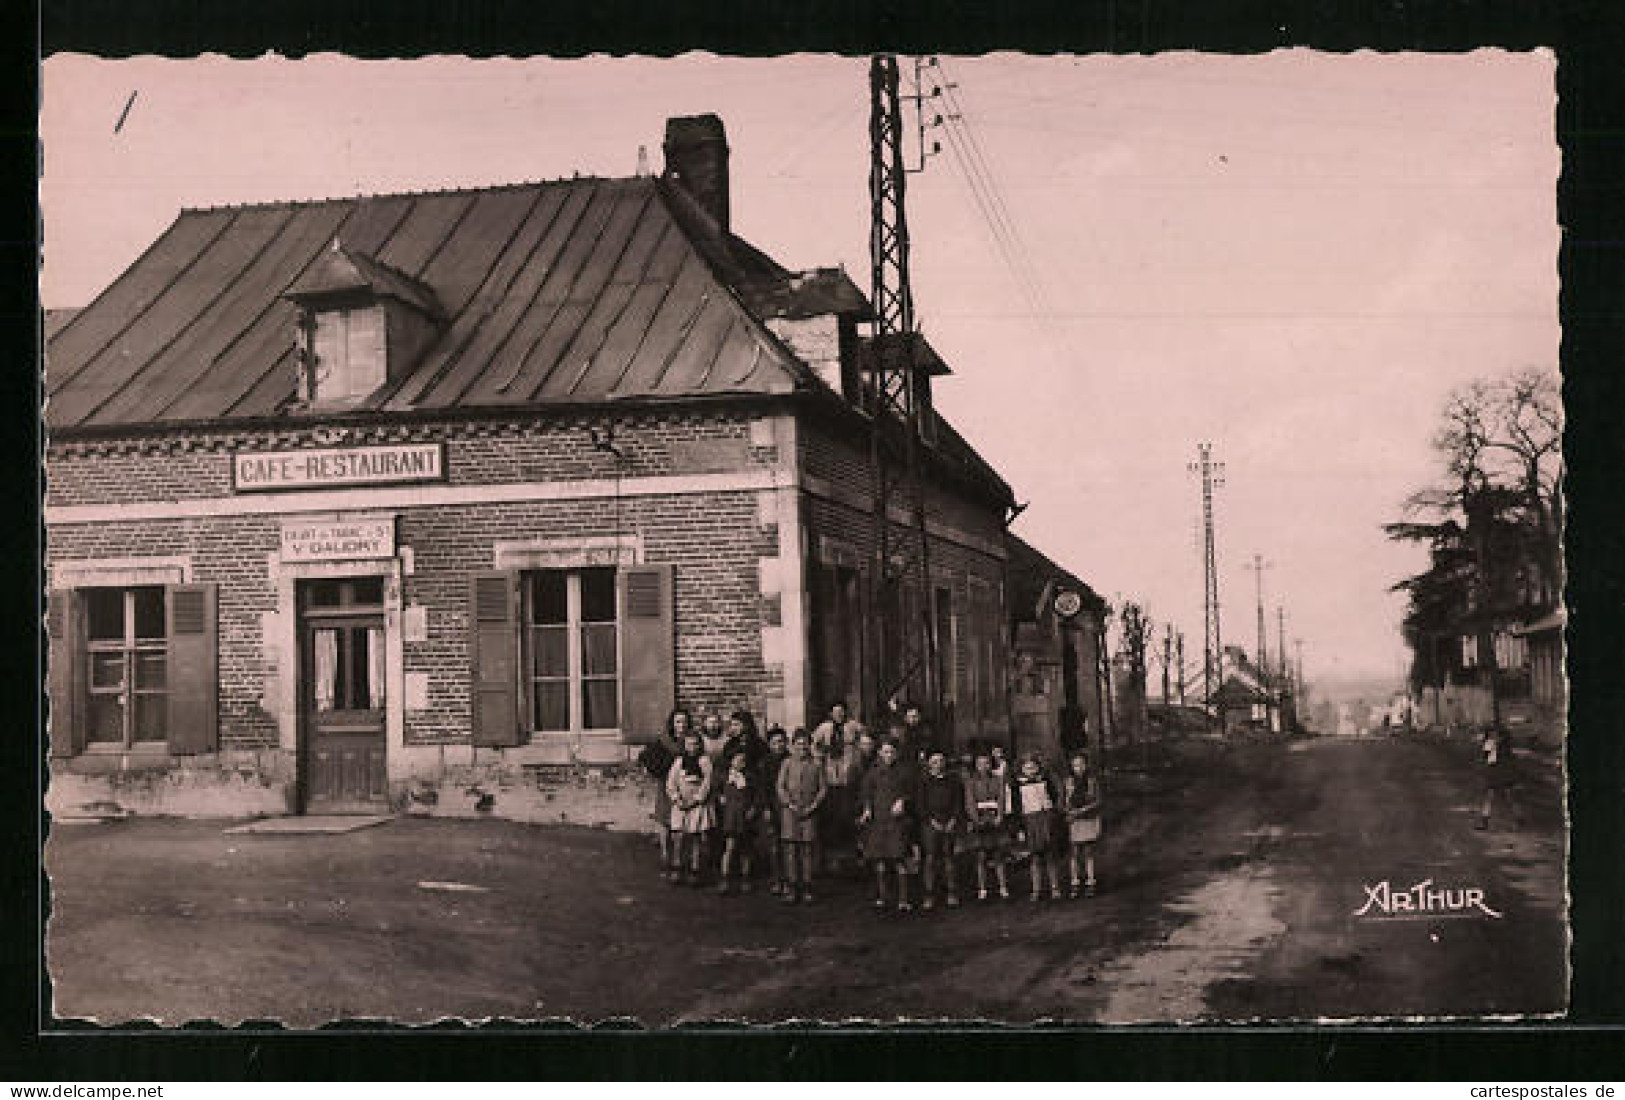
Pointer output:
886, 794
739, 800
941, 804
778, 751
987, 809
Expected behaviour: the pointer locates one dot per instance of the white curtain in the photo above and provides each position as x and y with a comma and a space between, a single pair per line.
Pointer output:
375, 668
327, 659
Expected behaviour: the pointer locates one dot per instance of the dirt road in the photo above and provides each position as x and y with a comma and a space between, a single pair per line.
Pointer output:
1231, 883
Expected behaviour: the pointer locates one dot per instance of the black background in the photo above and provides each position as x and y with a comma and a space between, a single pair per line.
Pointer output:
1591, 207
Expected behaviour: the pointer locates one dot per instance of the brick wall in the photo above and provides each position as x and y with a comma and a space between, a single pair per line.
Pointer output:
712, 540
232, 552
716, 541
187, 466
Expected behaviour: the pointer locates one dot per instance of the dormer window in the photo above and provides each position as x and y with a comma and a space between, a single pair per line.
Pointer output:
361, 325
351, 356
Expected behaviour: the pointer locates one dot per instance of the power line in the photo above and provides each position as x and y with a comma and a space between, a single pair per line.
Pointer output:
959, 116
972, 159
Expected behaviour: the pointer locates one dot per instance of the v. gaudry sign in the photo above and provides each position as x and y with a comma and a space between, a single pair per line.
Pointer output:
263, 471
338, 540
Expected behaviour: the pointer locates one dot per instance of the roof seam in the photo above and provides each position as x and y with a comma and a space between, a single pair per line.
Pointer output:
598, 296
122, 275
609, 326
683, 333
654, 314
270, 304
406, 212
553, 316
169, 285
237, 277
785, 356
535, 298
454, 355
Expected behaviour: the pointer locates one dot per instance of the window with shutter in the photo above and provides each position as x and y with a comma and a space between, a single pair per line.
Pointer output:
571, 649
494, 658
193, 668
648, 651
66, 657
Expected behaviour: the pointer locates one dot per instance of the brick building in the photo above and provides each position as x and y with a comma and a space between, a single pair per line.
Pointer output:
436, 498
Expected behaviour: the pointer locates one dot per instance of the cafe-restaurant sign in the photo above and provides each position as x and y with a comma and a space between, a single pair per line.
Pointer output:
338, 467
338, 540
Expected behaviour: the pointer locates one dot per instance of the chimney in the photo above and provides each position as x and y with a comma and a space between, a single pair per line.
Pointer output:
697, 157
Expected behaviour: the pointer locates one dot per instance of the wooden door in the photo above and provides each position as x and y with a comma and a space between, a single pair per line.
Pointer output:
341, 696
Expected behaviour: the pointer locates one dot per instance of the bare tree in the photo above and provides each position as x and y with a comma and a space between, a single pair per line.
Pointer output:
1495, 524
1134, 632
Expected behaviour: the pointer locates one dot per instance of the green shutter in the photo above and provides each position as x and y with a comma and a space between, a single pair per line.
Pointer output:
493, 638
648, 651
64, 689
193, 668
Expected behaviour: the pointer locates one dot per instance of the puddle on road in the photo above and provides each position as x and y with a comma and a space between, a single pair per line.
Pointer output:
1279, 832
1234, 922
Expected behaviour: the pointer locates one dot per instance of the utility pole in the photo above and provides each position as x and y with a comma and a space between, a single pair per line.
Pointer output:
1258, 565
1179, 649
1212, 477
1167, 659
1280, 642
902, 650
1283, 685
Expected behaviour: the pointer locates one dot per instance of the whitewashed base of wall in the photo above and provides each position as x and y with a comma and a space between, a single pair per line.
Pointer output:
217, 785
620, 799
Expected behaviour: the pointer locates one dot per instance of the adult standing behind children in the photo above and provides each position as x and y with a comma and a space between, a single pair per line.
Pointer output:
743, 736
917, 738
656, 758
843, 768
835, 729
801, 791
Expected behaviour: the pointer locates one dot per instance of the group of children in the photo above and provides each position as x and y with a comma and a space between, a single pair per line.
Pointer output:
820, 798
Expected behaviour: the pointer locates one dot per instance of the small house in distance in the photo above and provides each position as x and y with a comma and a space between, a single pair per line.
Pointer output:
448, 498
1244, 699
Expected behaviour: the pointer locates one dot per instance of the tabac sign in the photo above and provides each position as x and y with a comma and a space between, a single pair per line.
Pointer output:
338, 467
338, 540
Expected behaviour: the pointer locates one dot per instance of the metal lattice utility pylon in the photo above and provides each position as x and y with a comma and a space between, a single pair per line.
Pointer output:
1212, 477
902, 658
1260, 655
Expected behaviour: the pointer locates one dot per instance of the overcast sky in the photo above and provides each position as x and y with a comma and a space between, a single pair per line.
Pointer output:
1295, 256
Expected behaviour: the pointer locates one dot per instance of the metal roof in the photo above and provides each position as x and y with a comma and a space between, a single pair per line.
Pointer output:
570, 291
341, 271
